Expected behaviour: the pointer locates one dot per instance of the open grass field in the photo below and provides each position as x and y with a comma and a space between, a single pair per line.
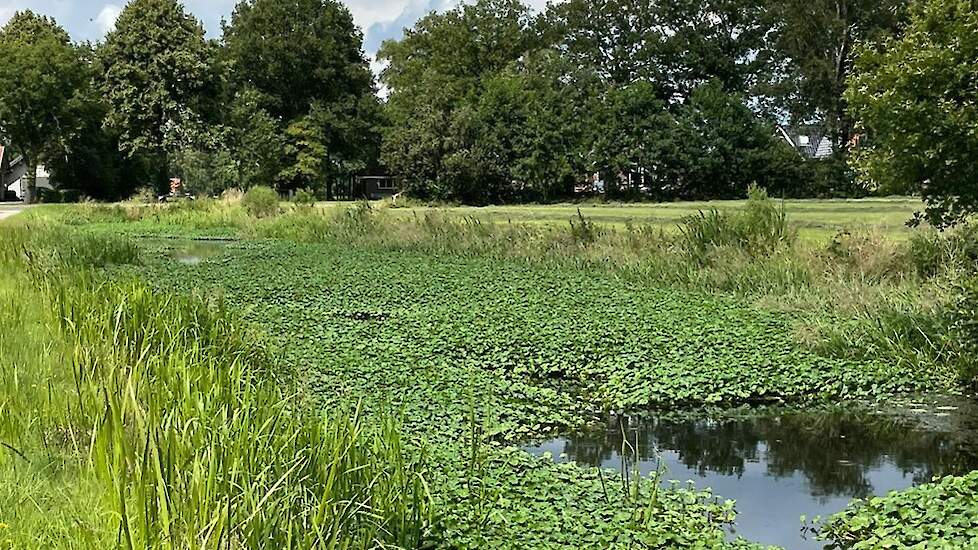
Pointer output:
392, 364
817, 220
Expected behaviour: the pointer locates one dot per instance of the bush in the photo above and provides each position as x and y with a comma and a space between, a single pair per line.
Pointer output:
304, 197
760, 229
261, 201
933, 252
963, 316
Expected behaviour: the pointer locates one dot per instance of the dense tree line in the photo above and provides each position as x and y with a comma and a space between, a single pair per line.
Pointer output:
285, 98
673, 98
490, 101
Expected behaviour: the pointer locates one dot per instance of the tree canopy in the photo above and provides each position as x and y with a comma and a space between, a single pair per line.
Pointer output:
157, 69
305, 109
917, 105
40, 72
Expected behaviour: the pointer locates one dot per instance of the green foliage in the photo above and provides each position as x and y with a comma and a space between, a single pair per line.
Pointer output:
156, 72
963, 323
177, 426
913, 96
260, 201
760, 229
932, 252
304, 197
936, 515
40, 71
303, 87
297, 54
816, 39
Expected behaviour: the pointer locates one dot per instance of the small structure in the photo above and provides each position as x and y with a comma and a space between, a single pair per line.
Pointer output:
372, 185
811, 142
13, 180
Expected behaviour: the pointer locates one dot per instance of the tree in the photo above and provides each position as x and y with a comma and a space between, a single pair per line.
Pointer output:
333, 141
638, 140
816, 40
257, 141
916, 102
726, 148
304, 85
158, 71
39, 73
436, 75
296, 53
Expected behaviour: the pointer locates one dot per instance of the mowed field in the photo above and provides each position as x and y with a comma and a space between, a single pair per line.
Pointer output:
816, 220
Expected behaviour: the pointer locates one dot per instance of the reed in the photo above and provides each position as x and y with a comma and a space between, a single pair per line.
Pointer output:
133, 418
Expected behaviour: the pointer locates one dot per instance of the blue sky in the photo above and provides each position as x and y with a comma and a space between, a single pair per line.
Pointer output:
91, 19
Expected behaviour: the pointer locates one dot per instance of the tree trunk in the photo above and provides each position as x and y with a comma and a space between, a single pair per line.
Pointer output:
30, 195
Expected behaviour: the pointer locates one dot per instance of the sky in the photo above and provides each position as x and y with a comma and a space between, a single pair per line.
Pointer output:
91, 19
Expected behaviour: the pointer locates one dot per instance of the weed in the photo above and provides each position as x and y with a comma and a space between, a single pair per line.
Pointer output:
261, 201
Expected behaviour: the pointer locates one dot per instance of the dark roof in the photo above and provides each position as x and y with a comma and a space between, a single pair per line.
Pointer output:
811, 142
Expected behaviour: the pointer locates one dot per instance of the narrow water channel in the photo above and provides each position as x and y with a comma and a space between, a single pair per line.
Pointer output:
780, 465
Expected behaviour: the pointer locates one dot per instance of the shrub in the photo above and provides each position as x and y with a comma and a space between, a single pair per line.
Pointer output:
760, 229
932, 252
304, 197
963, 316
261, 201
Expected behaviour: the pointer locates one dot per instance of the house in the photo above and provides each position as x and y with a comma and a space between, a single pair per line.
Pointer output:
371, 185
811, 142
12, 180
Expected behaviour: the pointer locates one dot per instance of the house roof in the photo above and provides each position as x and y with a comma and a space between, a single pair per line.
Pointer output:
811, 142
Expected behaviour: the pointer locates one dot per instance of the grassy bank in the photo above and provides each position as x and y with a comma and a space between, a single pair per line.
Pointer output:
135, 419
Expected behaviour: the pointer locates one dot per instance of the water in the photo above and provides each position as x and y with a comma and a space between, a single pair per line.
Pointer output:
195, 252
779, 466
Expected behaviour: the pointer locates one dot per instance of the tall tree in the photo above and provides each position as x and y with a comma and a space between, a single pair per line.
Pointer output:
39, 73
436, 75
301, 64
916, 100
158, 71
816, 40
296, 53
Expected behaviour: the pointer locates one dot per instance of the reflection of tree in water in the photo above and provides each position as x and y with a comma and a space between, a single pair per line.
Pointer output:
835, 451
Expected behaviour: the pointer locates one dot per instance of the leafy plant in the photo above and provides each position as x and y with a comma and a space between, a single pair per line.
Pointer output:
260, 201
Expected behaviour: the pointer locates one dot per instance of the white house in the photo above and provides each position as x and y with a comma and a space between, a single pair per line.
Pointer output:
12, 180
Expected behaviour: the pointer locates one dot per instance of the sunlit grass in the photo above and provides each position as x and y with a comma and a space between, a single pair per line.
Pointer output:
133, 418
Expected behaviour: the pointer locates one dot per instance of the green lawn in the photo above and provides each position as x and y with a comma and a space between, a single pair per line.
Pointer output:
816, 219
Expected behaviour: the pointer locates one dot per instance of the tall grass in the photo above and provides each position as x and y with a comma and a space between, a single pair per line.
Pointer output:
760, 229
136, 419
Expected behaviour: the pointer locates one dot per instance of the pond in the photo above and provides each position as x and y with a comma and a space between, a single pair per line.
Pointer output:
780, 465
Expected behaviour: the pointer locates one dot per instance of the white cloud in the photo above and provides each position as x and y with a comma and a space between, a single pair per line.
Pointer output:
105, 20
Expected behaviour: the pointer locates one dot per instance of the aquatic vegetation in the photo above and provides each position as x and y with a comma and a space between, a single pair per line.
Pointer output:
481, 335
943, 514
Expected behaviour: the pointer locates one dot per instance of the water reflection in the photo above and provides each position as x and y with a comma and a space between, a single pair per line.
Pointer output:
779, 466
195, 252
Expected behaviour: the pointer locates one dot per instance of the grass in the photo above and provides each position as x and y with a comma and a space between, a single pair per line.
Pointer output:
131, 418
816, 220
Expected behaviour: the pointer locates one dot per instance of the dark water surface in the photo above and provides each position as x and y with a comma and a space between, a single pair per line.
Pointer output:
779, 466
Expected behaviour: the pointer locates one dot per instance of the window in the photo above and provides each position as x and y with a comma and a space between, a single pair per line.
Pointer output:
385, 183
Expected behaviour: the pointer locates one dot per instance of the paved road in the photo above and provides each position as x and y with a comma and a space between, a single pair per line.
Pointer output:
7, 210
